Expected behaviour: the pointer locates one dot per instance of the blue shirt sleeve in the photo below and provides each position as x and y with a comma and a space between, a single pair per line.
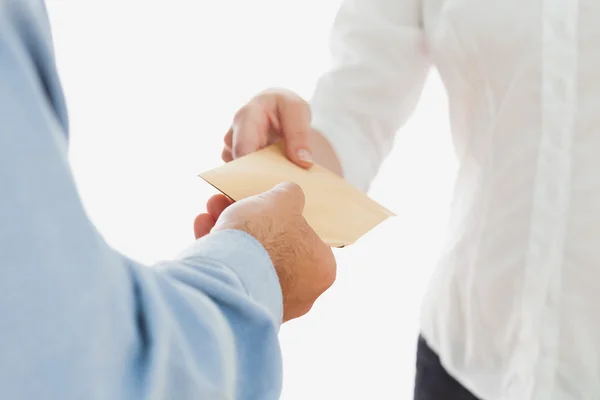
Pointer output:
77, 319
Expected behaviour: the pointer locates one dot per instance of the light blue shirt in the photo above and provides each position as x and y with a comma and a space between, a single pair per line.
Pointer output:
77, 319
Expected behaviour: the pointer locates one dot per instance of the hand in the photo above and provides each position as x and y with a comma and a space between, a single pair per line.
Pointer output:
305, 265
267, 118
205, 222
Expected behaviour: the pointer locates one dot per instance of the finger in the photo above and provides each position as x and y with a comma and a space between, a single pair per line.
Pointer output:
203, 224
289, 194
250, 129
228, 138
217, 204
294, 116
226, 155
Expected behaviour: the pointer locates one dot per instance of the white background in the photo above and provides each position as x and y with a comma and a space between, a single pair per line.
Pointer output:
152, 87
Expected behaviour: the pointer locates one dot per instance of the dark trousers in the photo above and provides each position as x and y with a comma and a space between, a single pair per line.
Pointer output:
432, 382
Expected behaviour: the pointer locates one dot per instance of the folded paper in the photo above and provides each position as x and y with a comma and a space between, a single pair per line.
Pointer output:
338, 212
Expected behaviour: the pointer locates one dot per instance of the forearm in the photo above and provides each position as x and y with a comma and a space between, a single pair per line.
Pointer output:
79, 321
379, 68
95, 325
212, 316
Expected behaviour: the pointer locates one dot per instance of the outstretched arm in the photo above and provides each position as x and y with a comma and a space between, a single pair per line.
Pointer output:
78, 320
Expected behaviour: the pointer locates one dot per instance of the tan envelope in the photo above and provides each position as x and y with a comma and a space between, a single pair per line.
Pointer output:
338, 212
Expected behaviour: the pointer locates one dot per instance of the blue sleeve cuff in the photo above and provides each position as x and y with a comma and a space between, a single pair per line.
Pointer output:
248, 259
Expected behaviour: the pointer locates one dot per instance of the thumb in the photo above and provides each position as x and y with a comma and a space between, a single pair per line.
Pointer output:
287, 194
294, 114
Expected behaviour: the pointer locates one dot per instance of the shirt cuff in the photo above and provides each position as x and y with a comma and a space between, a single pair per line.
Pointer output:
248, 259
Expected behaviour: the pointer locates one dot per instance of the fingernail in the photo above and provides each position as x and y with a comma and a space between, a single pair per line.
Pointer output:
304, 155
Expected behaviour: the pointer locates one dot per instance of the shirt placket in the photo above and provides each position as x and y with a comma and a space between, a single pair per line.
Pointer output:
533, 368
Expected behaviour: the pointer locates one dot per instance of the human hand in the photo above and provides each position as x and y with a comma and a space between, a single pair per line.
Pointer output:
305, 265
269, 117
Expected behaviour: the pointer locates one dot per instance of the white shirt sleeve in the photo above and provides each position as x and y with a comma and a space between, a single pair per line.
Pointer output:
380, 65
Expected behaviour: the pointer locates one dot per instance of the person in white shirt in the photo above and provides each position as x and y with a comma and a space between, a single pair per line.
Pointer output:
513, 309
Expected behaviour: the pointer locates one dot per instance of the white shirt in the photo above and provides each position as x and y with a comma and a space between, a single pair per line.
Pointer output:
513, 309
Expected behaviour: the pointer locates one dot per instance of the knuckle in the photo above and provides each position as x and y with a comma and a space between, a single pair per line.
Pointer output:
297, 193
239, 115
286, 96
276, 91
268, 93
291, 189
247, 111
294, 187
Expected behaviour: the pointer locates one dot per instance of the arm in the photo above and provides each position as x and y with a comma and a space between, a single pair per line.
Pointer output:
379, 69
78, 320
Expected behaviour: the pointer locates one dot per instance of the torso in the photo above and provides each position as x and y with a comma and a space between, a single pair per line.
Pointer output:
514, 307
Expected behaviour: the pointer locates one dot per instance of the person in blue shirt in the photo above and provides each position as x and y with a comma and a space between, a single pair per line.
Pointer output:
80, 321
